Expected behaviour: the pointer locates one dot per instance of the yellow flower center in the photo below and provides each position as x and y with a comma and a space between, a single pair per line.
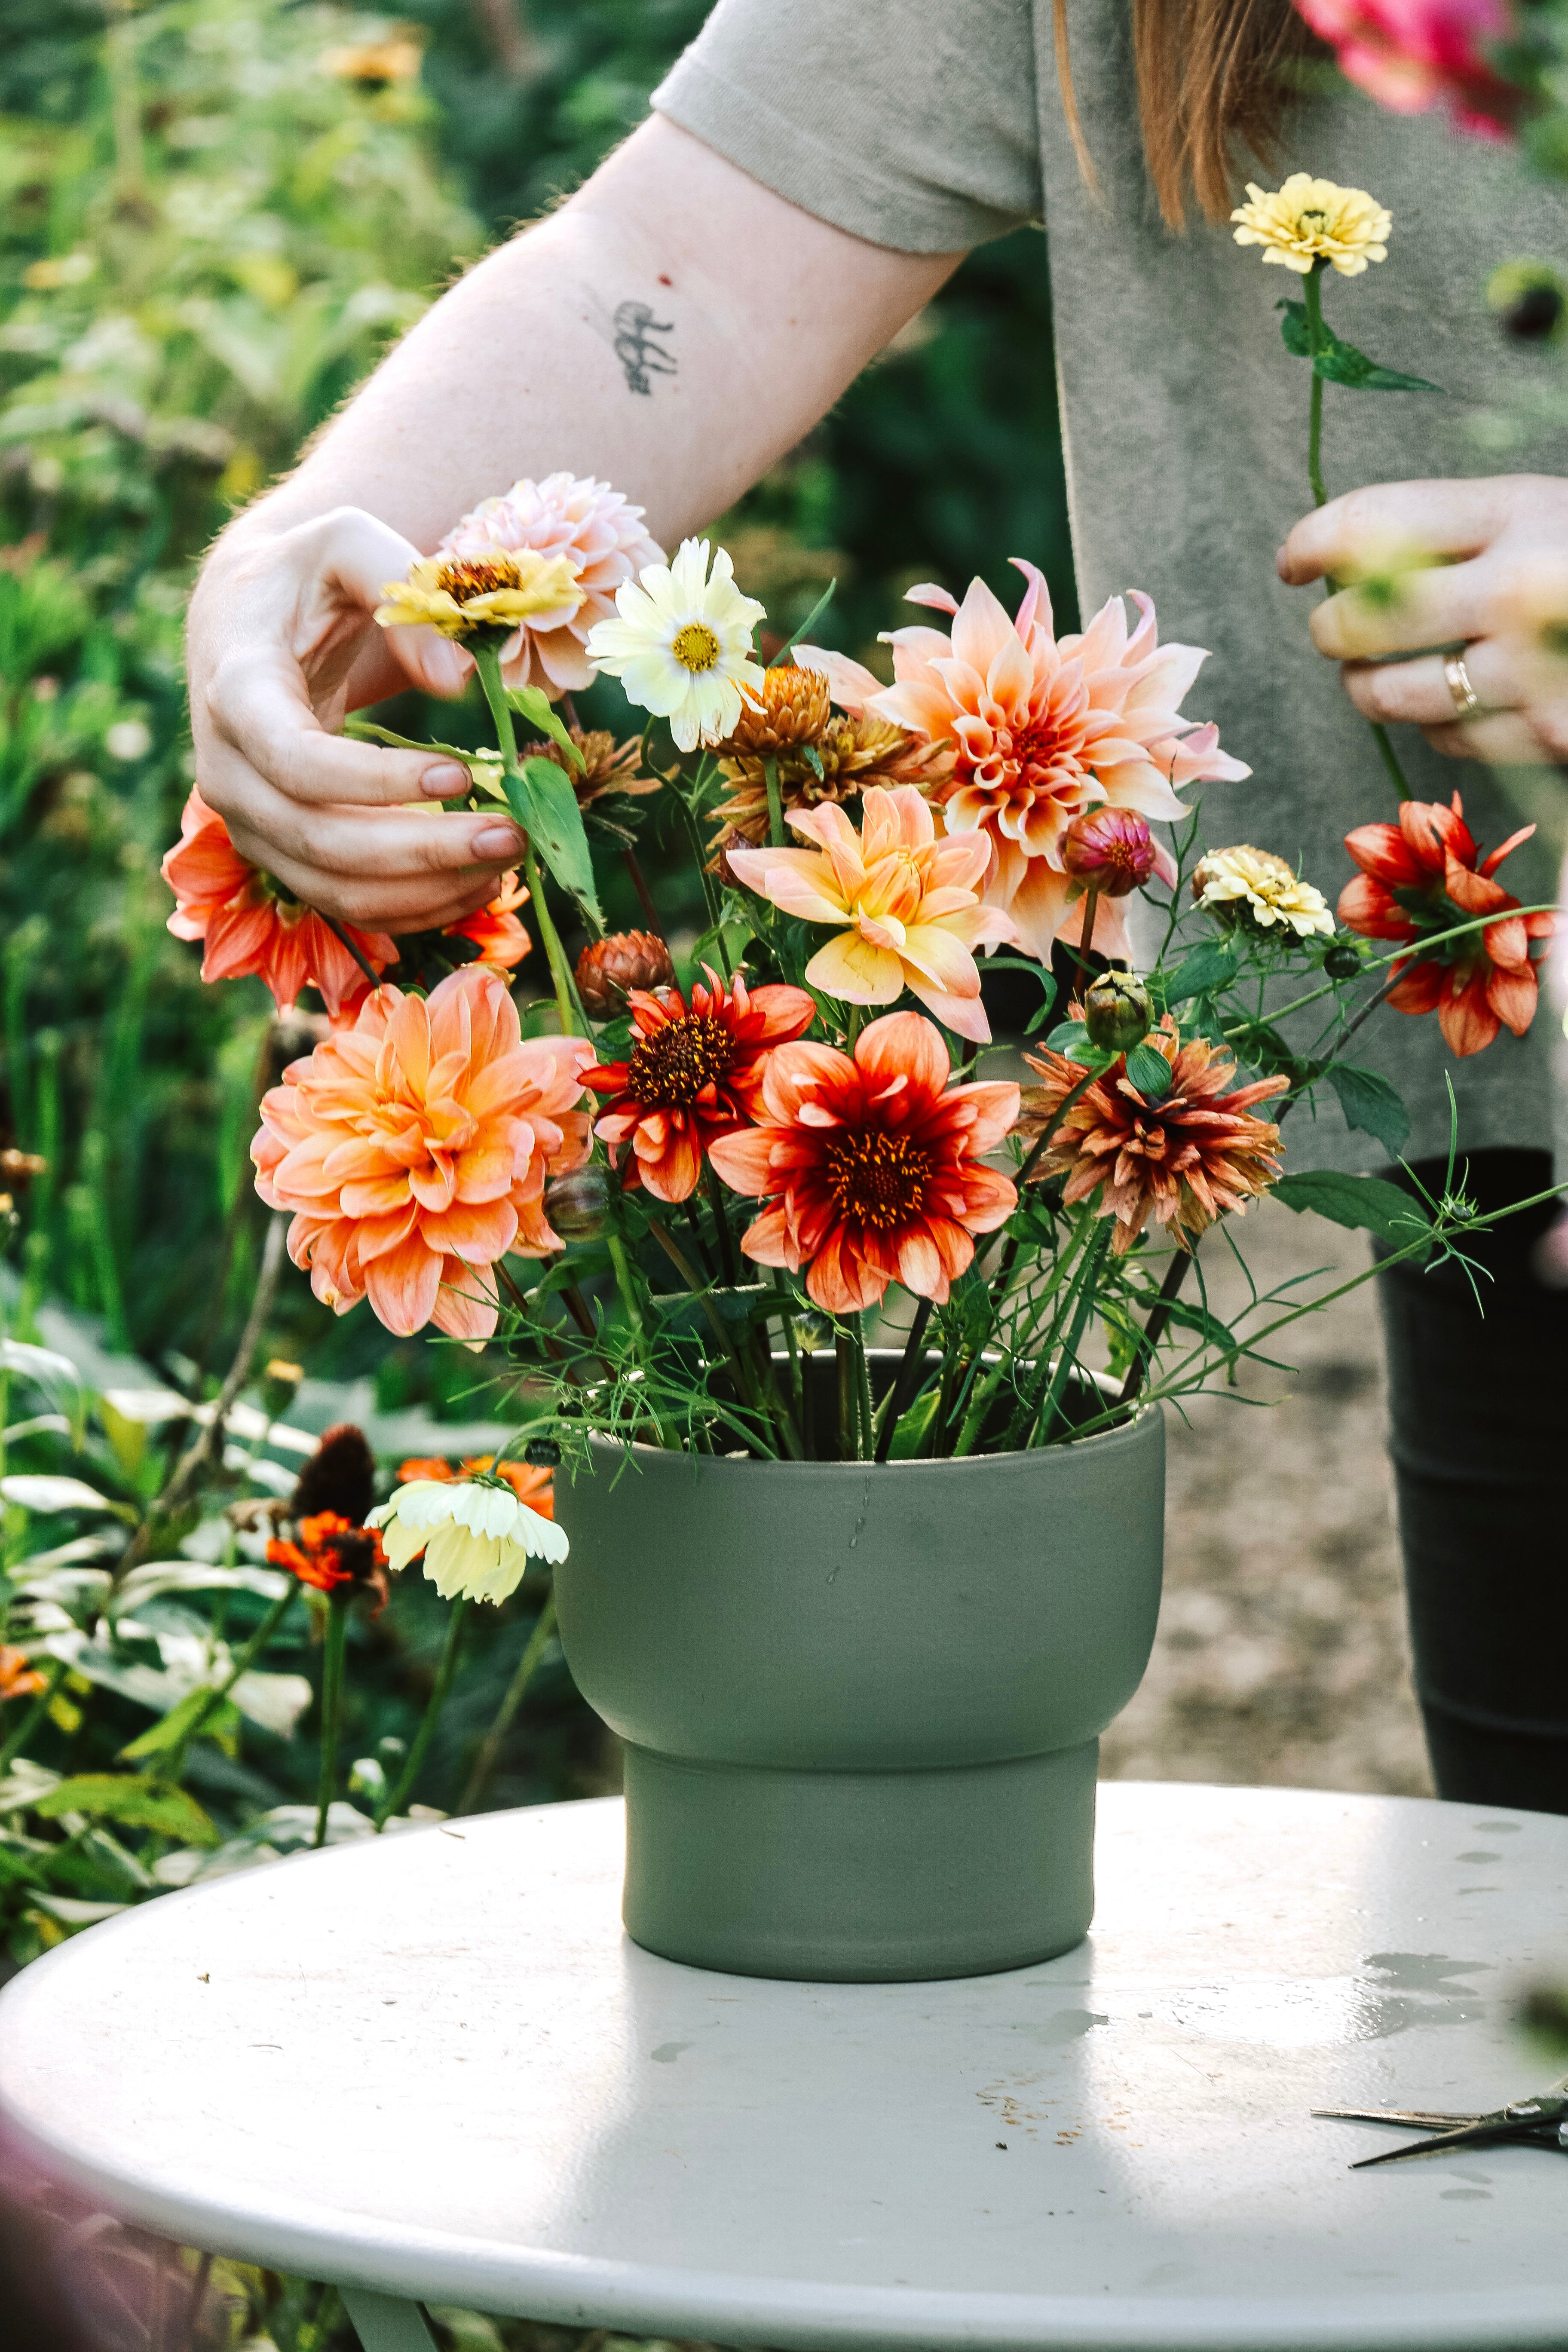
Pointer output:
696, 646
680, 1062
879, 1180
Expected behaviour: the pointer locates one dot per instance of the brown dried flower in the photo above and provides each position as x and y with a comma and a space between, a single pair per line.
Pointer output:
339, 1478
1182, 1158
610, 968
853, 751
793, 708
607, 766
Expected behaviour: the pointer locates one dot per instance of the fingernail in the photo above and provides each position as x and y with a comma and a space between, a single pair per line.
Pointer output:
445, 777
496, 841
1280, 563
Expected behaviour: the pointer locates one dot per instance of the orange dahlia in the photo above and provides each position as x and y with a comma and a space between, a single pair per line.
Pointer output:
496, 929
692, 1076
1182, 1158
1425, 875
872, 1168
414, 1148
248, 926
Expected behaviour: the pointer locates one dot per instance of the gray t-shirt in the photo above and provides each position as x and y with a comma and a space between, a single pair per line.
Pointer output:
932, 125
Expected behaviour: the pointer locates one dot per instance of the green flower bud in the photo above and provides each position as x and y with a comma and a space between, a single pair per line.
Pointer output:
1118, 1012
1342, 961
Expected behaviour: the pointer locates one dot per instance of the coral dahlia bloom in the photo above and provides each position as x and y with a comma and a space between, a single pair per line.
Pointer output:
693, 1075
248, 926
872, 1168
598, 534
1044, 729
1425, 875
1182, 1160
496, 929
910, 902
413, 1149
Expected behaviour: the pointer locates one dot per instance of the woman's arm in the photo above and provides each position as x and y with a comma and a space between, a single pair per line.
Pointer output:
675, 328
1500, 551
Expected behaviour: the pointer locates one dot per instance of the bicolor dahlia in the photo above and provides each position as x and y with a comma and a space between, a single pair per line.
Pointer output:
1425, 875
414, 1148
586, 525
1255, 889
680, 643
1308, 221
905, 905
1044, 731
496, 928
1182, 1158
693, 1075
872, 1168
477, 1535
248, 924
1413, 55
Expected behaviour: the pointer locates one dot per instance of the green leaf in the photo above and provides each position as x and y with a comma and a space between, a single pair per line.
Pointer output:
173, 1727
967, 1314
138, 1800
1365, 1203
1338, 363
1369, 1103
1149, 1073
541, 799
535, 707
805, 630
1210, 966
1070, 1037
913, 1430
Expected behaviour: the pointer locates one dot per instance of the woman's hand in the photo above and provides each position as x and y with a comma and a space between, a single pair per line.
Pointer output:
281, 644
1480, 566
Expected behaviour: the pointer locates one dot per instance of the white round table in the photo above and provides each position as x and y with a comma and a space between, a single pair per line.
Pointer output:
432, 2067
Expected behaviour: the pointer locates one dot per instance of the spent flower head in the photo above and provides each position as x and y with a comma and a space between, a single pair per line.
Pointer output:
1309, 222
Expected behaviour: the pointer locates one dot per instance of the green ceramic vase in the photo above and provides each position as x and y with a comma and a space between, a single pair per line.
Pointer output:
861, 1704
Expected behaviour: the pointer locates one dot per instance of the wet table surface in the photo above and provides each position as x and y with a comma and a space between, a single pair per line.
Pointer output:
432, 2067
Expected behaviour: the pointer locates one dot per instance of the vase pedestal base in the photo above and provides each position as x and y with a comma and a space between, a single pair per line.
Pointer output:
860, 1878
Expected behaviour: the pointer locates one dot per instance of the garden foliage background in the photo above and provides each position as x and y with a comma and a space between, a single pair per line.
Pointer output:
215, 213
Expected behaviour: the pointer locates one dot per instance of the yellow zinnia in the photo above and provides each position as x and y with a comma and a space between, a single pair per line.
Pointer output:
459, 594
1307, 221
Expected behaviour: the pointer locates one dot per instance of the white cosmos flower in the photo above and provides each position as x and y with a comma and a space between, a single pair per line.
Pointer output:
477, 1537
682, 644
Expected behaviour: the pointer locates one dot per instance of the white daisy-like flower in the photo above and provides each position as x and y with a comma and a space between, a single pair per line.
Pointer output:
681, 644
476, 1535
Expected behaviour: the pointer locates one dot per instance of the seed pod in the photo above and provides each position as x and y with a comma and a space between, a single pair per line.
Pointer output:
1118, 1012
542, 1454
578, 1207
620, 961
1342, 961
1534, 315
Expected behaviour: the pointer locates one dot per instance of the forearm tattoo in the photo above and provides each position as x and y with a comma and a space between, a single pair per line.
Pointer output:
641, 357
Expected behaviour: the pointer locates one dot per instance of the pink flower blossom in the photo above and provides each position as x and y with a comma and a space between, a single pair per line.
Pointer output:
1046, 729
601, 536
1413, 55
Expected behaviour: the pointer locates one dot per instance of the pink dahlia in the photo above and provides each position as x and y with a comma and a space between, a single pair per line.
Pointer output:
1046, 728
1413, 55
600, 535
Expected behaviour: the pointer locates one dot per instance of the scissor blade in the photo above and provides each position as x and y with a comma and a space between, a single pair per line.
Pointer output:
1409, 2118
1481, 2134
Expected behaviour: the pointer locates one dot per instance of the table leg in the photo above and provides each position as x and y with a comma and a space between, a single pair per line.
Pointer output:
385, 2324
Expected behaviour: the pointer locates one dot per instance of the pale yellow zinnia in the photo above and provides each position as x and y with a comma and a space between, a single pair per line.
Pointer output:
1307, 221
1255, 888
457, 595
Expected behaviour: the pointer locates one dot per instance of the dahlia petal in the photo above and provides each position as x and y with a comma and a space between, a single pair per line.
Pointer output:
902, 1047
766, 1240
850, 685
840, 1282
857, 970
964, 1015
464, 1310
744, 1159
1383, 852
402, 1285
1512, 997
1466, 1016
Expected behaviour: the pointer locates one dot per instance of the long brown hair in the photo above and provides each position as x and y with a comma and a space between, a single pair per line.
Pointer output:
1210, 75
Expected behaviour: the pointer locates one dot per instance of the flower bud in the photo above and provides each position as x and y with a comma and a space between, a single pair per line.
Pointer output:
578, 1207
1118, 1012
620, 961
1342, 961
1111, 850
542, 1453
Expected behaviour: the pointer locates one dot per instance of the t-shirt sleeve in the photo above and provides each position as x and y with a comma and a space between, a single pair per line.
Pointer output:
911, 123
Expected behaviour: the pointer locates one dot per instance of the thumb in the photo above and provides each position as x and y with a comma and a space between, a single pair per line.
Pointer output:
431, 661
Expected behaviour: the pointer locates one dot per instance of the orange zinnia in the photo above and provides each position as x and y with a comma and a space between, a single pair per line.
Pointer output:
495, 928
332, 1551
693, 1075
534, 1487
1181, 1157
1425, 875
872, 1167
248, 926
414, 1148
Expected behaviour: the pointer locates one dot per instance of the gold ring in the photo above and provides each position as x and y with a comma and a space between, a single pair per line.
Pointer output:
1466, 700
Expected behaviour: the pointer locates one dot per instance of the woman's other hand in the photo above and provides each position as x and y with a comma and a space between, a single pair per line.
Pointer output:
1432, 568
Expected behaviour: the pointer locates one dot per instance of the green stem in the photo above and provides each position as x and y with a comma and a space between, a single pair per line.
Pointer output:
1073, 1341
239, 1665
710, 888
727, 1259
1422, 945
1312, 295
490, 1746
844, 1352
33, 1717
486, 661
900, 1396
441, 1691
633, 1305
332, 1706
863, 1376
1380, 736
776, 802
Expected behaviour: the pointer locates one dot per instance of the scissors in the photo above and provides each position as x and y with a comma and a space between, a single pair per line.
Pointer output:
1542, 2122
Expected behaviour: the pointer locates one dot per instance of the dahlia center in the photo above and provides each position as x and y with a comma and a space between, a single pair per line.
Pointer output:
679, 1062
467, 577
695, 646
876, 1179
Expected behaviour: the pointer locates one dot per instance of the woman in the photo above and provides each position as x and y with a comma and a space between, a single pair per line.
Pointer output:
811, 173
